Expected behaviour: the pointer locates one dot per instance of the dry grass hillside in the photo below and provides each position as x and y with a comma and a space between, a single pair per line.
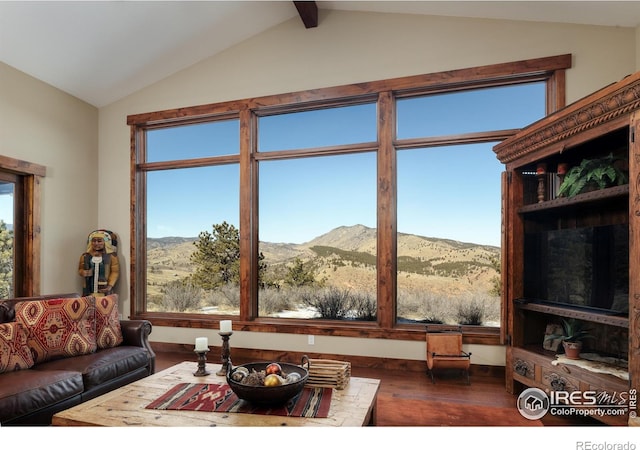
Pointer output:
345, 258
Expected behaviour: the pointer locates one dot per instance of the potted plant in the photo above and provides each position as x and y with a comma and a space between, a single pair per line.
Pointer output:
593, 174
573, 332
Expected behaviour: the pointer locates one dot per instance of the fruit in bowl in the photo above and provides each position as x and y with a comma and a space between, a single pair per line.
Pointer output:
273, 368
252, 383
274, 380
293, 377
239, 374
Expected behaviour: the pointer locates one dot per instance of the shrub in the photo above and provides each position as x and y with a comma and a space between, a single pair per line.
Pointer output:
423, 307
274, 300
364, 307
463, 308
331, 303
334, 303
224, 298
181, 296
470, 311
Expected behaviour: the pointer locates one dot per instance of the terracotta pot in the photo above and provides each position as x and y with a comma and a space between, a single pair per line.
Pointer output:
572, 349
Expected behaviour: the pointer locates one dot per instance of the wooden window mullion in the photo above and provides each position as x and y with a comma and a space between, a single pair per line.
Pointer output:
387, 261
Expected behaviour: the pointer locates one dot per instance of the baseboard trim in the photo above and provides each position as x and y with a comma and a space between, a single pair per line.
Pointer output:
249, 354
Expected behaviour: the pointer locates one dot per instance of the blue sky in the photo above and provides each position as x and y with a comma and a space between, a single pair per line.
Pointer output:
447, 192
6, 208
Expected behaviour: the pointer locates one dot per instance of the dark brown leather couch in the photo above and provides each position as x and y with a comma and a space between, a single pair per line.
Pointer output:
33, 396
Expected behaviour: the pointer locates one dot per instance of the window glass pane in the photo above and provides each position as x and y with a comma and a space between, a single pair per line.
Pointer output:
192, 240
194, 141
488, 109
318, 128
318, 237
449, 215
7, 256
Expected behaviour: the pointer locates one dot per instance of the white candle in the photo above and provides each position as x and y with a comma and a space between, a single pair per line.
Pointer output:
225, 326
202, 344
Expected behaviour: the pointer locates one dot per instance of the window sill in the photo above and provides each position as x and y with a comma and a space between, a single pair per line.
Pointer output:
368, 330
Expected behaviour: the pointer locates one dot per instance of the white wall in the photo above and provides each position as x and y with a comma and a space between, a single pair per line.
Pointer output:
638, 48
43, 125
346, 47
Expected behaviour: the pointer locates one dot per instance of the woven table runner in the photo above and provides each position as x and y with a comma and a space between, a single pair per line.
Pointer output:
311, 402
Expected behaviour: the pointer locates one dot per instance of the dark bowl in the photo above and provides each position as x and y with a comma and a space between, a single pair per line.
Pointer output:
269, 395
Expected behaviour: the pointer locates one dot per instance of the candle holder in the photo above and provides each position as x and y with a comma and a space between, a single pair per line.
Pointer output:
226, 353
202, 363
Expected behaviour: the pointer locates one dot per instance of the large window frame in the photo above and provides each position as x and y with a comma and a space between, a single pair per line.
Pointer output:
550, 70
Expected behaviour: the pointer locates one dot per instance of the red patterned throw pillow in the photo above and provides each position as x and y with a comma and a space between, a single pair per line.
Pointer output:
59, 327
14, 353
108, 331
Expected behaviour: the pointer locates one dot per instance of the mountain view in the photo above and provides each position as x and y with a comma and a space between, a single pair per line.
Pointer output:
345, 258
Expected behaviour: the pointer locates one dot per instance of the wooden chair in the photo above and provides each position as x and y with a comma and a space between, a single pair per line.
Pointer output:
444, 351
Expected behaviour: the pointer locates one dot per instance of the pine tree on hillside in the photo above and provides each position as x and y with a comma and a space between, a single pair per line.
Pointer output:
299, 274
217, 258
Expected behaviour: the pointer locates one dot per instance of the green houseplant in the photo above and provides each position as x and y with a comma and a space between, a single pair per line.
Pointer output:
573, 333
592, 174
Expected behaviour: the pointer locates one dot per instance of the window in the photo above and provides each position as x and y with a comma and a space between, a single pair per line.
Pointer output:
449, 202
179, 279
192, 201
318, 235
326, 127
7, 223
471, 110
304, 205
192, 141
449, 235
19, 227
308, 204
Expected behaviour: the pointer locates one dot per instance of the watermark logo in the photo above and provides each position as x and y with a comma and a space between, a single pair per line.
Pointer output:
534, 403
604, 445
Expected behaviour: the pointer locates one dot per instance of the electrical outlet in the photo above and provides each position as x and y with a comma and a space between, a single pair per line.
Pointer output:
312, 339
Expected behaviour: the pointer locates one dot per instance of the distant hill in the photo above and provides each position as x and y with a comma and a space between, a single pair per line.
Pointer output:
345, 257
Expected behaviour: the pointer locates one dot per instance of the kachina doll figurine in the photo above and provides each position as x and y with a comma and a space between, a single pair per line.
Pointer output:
99, 266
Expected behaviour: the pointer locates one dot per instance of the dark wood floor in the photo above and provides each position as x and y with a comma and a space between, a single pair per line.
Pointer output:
411, 399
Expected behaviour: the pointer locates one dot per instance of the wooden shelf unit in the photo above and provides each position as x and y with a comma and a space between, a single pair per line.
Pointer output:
575, 313
601, 123
587, 199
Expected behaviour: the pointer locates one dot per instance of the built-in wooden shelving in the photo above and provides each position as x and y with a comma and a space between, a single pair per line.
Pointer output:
574, 313
605, 121
579, 200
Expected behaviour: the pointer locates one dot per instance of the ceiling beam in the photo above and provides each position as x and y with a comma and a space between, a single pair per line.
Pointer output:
308, 13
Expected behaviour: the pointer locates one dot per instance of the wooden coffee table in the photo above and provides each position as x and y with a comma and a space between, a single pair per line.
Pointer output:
353, 406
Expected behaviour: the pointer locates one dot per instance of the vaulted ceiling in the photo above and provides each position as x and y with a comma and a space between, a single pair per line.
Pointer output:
101, 51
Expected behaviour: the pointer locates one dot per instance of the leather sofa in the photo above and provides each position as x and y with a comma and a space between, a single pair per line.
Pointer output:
33, 395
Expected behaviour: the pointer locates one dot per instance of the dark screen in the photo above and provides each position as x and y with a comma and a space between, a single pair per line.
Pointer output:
583, 267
